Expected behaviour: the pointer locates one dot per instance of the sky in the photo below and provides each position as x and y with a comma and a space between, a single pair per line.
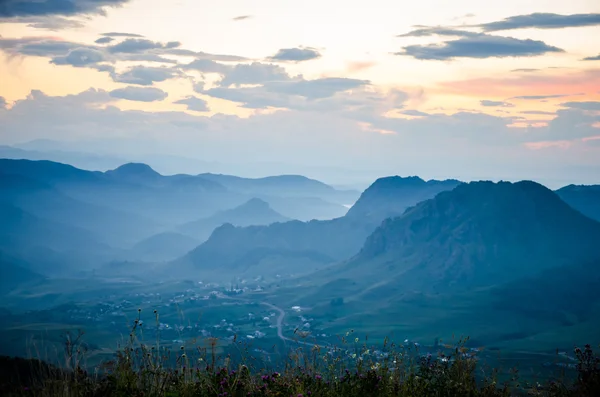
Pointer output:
337, 90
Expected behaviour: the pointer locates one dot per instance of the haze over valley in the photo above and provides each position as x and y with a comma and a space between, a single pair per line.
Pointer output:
264, 182
426, 259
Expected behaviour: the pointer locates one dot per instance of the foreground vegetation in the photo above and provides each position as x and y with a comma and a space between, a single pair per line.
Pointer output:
145, 370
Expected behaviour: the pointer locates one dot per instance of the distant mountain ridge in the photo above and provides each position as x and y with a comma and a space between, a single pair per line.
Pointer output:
114, 210
253, 212
336, 239
167, 200
160, 247
584, 198
396, 194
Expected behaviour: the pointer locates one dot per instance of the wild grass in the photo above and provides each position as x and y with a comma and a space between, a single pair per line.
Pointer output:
147, 368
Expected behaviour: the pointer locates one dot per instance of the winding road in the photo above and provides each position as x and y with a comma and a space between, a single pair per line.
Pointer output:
279, 322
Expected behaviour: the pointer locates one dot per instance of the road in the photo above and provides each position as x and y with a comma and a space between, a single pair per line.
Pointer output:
279, 322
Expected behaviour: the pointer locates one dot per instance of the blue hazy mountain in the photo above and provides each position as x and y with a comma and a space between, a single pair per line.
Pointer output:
160, 247
585, 199
116, 209
479, 234
331, 240
393, 195
501, 261
15, 272
41, 199
253, 212
296, 196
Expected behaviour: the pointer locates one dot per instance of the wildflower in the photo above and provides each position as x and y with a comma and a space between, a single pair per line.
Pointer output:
139, 309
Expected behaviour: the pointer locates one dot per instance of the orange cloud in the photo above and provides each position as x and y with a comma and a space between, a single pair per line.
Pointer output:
359, 66
548, 83
548, 144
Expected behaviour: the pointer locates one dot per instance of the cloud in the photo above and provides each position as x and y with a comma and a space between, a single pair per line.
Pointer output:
141, 94
479, 46
207, 66
144, 75
464, 144
427, 31
80, 57
296, 54
120, 34
20, 8
132, 46
539, 112
104, 40
501, 104
315, 89
542, 21
194, 103
412, 112
203, 55
549, 83
585, 105
249, 97
131, 49
596, 58
538, 97
241, 18
359, 66
53, 23
327, 94
37, 46
525, 70
145, 58
3, 103
254, 73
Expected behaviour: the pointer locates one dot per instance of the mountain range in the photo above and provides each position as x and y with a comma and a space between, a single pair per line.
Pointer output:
586, 199
60, 220
317, 243
512, 249
253, 212
512, 261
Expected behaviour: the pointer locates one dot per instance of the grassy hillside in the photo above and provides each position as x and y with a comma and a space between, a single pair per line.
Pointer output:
502, 262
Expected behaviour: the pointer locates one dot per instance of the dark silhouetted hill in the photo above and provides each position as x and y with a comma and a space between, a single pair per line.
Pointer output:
477, 235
